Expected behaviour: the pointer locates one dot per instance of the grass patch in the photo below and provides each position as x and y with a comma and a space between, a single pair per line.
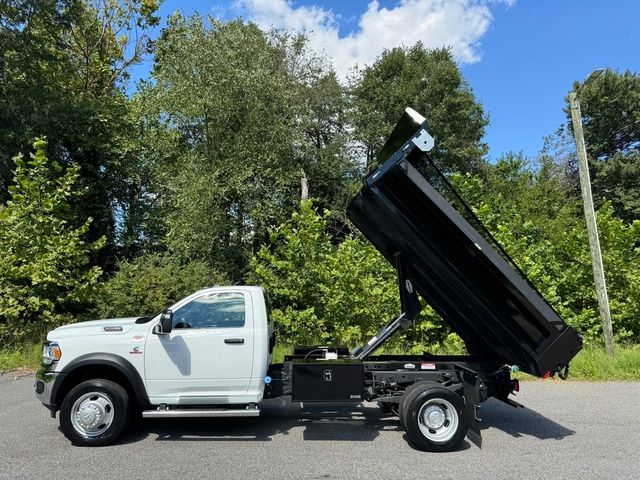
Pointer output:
593, 363
25, 356
279, 351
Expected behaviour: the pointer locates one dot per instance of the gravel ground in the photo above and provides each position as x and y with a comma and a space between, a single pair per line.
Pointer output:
569, 430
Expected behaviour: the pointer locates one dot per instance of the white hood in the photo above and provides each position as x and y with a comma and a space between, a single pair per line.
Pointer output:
112, 326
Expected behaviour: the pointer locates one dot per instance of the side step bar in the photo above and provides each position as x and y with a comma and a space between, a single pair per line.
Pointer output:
200, 413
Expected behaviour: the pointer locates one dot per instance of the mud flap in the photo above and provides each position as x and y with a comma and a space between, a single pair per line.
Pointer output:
471, 392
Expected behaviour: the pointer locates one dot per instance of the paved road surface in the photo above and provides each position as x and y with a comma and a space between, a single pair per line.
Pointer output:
570, 430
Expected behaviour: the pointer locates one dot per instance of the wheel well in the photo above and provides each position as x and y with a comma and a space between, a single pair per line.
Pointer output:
88, 372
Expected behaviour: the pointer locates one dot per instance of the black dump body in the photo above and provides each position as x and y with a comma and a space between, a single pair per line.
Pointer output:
485, 300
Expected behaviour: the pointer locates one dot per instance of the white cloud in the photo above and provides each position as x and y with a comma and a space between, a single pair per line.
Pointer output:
459, 24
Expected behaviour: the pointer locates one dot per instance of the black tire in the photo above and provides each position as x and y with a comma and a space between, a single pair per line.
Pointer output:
450, 435
117, 404
408, 396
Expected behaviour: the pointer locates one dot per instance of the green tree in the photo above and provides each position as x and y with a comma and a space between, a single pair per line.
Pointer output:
241, 107
327, 171
44, 272
618, 180
63, 70
610, 107
430, 82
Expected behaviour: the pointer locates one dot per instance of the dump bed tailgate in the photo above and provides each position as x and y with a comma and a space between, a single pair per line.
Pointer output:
485, 300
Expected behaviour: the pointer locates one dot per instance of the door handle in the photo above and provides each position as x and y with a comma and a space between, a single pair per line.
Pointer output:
234, 340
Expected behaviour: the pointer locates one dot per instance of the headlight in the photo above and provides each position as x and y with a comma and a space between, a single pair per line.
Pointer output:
51, 353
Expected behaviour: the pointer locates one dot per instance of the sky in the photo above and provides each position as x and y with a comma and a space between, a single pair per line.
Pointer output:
520, 57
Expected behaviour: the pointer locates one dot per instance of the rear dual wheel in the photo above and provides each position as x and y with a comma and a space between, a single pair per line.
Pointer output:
433, 417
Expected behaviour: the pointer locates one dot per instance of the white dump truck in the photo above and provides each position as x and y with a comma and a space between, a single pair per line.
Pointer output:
209, 355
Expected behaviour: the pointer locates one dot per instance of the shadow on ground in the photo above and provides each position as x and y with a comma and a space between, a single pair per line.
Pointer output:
328, 422
324, 422
519, 422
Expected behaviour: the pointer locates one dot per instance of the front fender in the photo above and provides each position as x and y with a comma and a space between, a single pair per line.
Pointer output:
102, 359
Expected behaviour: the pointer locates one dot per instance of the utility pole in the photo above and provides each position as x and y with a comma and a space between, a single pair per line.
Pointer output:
589, 213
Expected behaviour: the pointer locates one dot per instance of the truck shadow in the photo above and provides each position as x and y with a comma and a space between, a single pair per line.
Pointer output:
327, 422
519, 422
322, 422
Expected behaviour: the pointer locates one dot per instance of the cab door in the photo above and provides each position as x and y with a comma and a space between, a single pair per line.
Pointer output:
208, 355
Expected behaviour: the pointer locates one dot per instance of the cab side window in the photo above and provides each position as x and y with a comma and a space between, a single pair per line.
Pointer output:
217, 310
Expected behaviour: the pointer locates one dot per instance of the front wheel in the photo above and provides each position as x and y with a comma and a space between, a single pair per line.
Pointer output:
95, 412
434, 420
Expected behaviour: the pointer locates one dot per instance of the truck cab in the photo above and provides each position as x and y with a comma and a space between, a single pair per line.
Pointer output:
214, 350
217, 351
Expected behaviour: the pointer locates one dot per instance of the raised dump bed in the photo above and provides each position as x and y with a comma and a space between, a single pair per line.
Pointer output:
488, 302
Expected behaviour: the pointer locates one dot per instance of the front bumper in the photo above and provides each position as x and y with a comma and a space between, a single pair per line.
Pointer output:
45, 386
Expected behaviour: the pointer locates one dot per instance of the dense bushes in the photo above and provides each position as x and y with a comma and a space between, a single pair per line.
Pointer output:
149, 284
333, 293
324, 289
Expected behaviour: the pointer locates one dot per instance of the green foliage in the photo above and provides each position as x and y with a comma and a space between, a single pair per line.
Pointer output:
44, 272
323, 292
618, 180
594, 364
226, 92
147, 285
322, 149
63, 72
293, 271
621, 256
610, 107
280, 351
24, 356
430, 82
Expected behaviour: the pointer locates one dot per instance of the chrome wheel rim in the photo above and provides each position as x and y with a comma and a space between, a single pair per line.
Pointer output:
92, 414
438, 420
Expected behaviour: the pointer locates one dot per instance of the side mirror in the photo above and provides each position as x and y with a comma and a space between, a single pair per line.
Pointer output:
166, 321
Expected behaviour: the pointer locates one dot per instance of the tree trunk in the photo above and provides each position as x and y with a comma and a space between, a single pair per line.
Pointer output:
304, 185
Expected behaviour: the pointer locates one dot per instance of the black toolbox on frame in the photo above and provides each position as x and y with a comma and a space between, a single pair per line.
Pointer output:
317, 380
489, 303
